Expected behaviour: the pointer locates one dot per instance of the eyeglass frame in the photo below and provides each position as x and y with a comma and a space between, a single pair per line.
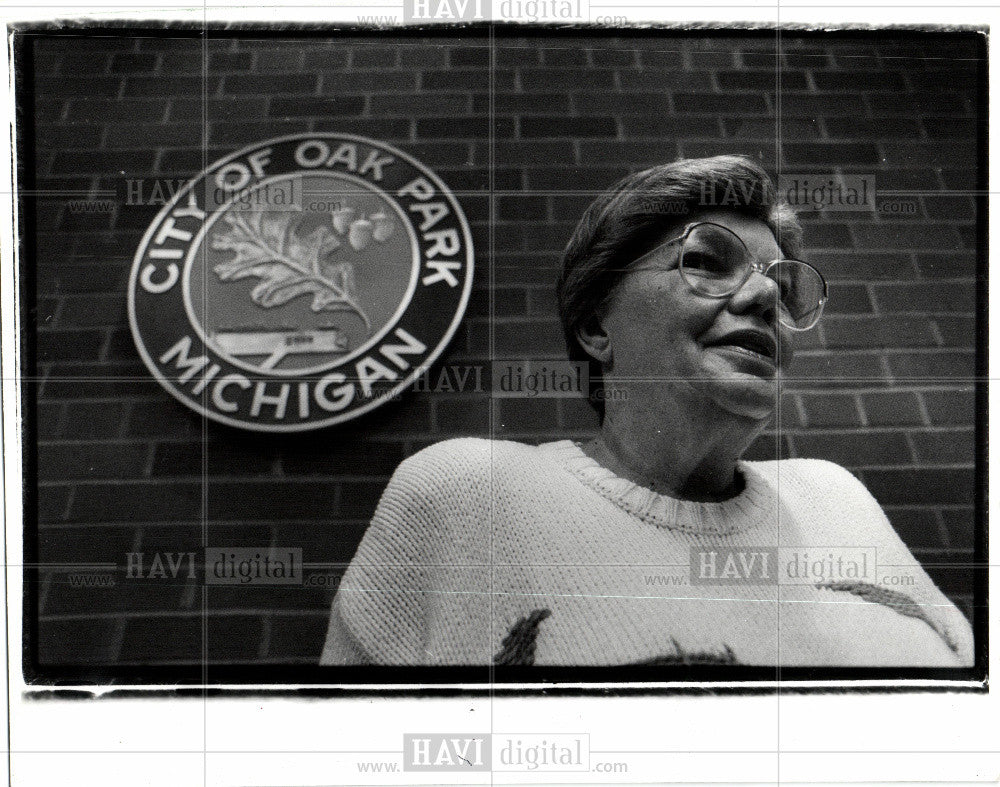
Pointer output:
753, 265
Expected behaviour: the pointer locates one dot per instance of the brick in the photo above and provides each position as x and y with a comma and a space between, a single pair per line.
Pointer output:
233, 638
469, 57
518, 416
553, 80
896, 236
767, 447
92, 310
420, 105
93, 420
945, 448
831, 104
564, 126
162, 419
577, 415
966, 179
217, 458
375, 57
77, 642
524, 103
842, 153
933, 365
761, 80
957, 331
321, 543
464, 416
636, 153
509, 153
927, 154
912, 486
208, 109
827, 236
63, 461
455, 80
811, 370
394, 130
863, 266
892, 408
152, 86
358, 499
854, 449
594, 179
613, 58
136, 502
918, 527
428, 56
957, 296
331, 57
52, 502
960, 526
288, 499
918, 104
625, 105
106, 381
950, 208
77, 135
230, 61
48, 420
243, 133
850, 80
161, 640
726, 105
830, 410
769, 128
669, 81
269, 84
953, 128
889, 331
668, 59
299, 636
529, 339
874, 128
953, 407
281, 106
311, 457
72, 86
56, 345
96, 162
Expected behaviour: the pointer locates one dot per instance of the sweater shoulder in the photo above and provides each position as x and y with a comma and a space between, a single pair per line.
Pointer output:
812, 472
468, 463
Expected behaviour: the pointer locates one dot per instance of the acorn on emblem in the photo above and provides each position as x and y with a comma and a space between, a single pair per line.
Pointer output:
383, 226
361, 234
342, 218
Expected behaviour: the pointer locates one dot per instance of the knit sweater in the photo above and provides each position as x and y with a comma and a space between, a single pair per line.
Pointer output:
496, 552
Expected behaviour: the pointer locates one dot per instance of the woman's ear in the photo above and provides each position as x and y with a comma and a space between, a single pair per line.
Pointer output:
594, 339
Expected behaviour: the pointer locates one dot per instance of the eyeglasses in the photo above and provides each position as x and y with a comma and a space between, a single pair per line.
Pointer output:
715, 262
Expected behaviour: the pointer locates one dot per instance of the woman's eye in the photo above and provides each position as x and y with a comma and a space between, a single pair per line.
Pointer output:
703, 261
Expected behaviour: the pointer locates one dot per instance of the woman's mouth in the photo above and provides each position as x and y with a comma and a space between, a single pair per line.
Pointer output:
758, 346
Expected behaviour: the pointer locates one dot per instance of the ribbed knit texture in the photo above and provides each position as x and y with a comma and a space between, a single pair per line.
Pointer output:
472, 537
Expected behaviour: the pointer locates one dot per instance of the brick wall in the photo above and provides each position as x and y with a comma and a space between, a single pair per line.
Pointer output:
885, 385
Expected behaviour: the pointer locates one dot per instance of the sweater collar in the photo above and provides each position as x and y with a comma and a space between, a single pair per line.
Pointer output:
754, 506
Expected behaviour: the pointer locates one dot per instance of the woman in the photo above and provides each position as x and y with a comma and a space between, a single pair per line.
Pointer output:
654, 543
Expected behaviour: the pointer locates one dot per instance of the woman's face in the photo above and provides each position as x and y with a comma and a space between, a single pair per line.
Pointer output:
667, 340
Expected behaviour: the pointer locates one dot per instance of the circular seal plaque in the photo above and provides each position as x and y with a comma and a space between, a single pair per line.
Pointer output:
300, 282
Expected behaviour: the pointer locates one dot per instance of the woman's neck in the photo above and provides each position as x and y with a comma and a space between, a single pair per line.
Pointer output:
691, 460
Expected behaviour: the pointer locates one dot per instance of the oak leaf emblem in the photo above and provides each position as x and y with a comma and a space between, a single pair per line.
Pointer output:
268, 246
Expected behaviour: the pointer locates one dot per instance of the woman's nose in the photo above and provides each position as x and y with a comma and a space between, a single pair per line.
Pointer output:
758, 294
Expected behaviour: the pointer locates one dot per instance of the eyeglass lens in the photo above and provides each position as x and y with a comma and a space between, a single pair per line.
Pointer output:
715, 262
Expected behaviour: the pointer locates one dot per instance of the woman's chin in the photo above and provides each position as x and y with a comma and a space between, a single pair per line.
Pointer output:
747, 396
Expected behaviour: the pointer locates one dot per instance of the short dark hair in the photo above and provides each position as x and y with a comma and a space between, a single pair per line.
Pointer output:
631, 217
